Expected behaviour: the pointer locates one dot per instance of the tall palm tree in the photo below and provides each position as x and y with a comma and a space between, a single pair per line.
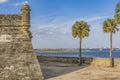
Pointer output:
109, 26
80, 29
118, 7
117, 15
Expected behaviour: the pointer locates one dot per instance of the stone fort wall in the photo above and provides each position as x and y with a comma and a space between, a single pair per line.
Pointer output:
17, 58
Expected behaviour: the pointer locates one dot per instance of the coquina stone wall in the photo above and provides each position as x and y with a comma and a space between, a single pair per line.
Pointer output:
103, 62
64, 59
17, 58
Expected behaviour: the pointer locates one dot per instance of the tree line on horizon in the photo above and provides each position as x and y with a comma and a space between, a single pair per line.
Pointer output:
81, 29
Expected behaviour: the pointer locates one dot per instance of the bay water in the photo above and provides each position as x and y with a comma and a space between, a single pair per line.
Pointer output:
104, 53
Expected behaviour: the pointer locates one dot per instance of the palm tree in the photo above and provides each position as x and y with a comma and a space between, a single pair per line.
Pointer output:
109, 26
80, 29
118, 7
117, 18
117, 15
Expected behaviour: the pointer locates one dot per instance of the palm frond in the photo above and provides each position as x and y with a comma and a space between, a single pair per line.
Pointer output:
80, 29
109, 25
117, 18
118, 8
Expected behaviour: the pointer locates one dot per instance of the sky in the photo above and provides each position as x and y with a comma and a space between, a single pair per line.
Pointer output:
51, 21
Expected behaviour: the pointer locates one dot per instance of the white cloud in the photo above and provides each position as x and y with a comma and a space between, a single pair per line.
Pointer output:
51, 30
15, 4
19, 3
96, 18
3, 1
61, 26
92, 18
57, 32
25, 2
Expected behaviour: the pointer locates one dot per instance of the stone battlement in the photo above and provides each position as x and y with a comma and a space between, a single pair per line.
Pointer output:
17, 58
10, 19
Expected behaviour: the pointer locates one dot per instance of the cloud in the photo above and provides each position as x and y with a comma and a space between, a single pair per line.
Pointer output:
96, 18
3, 1
57, 32
51, 30
25, 2
15, 4
19, 3
61, 25
92, 18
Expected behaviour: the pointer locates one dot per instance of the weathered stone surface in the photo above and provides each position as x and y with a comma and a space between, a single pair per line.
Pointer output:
17, 58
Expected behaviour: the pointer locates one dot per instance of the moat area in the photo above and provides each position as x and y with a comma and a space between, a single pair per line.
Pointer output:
70, 71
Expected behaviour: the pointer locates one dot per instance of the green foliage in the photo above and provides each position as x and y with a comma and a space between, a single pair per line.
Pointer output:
117, 15
117, 18
118, 8
80, 29
109, 25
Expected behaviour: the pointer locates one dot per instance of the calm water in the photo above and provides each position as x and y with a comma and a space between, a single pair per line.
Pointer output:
86, 53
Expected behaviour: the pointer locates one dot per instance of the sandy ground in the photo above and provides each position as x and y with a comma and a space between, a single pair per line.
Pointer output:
65, 71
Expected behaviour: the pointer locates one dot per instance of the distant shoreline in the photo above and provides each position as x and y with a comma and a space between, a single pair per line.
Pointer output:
55, 50
70, 49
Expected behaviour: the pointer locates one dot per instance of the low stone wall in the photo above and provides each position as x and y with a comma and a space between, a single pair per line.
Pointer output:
64, 59
105, 62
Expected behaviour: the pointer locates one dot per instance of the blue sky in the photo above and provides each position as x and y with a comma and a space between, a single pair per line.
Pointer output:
51, 21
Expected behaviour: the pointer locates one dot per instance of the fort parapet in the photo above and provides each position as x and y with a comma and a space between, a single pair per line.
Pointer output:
17, 58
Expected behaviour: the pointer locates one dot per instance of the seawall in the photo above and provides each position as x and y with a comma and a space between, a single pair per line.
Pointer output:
105, 62
63, 59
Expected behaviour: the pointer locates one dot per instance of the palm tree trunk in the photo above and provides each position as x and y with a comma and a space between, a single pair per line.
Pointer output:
111, 59
80, 51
